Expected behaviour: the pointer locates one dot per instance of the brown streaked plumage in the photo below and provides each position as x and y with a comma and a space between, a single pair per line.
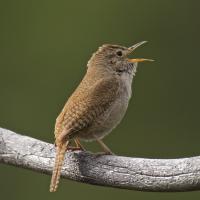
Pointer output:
98, 104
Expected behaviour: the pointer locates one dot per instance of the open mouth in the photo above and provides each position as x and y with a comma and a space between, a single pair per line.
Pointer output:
136, 60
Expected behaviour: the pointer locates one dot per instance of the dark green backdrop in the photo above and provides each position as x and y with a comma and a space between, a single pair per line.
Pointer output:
44, 48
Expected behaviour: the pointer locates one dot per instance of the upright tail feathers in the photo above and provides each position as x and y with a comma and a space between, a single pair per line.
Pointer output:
60, 154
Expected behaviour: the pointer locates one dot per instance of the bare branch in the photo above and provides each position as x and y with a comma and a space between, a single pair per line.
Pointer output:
115, 171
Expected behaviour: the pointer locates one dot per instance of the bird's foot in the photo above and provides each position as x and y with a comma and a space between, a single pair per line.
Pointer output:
71, 148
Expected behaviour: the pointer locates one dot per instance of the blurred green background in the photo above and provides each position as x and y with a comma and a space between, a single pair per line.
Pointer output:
44, 48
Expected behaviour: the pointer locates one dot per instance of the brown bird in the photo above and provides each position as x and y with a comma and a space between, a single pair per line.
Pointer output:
98, 104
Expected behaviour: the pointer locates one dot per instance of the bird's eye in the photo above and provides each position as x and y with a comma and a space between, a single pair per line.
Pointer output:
119, 53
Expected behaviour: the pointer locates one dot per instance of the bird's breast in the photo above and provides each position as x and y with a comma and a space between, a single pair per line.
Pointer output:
120, 106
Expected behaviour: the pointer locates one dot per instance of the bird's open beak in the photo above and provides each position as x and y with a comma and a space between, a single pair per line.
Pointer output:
132, 48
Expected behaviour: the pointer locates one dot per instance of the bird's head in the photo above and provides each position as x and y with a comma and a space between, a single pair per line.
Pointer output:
114, 58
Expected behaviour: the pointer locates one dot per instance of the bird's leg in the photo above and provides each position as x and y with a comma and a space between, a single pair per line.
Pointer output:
78, 144
77, 147
104, 147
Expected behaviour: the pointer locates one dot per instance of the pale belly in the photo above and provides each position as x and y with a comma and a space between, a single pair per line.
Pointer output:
110, 119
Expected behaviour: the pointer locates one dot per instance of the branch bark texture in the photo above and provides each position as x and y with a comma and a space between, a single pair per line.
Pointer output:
143, 174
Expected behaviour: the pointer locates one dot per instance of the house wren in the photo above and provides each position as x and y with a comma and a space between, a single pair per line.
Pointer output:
98, 104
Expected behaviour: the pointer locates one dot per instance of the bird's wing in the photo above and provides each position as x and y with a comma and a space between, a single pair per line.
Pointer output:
81, 111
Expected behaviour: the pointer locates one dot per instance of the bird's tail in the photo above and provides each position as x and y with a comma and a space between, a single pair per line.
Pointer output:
60, 154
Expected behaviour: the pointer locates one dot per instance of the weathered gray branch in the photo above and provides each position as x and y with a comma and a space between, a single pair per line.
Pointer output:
115, 171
